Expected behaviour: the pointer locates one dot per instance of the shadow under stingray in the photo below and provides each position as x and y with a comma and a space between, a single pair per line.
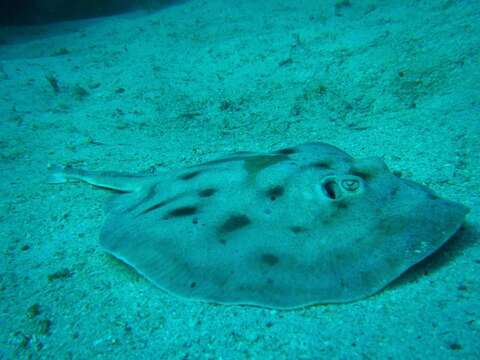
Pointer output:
466, 237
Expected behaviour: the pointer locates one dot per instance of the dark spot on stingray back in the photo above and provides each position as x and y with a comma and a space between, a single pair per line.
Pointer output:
234, 223
340, 204
297, 229
269, 259
275, 192
207, 192
362, 174
154, 207
181, 211
189, 175
286, 151
322, 165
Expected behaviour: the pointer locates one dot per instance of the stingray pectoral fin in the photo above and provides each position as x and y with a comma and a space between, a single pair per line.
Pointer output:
105, 179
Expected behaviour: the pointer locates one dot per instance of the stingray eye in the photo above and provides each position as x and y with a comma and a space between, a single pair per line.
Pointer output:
337, 187
350, 184
332, 190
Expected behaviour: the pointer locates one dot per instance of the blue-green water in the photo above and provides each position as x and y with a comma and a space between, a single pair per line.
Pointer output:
171, 85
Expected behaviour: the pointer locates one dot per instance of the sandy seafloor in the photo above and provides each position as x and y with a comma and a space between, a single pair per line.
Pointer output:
185, 84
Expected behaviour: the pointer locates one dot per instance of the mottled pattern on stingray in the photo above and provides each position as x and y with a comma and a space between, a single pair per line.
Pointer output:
299, 226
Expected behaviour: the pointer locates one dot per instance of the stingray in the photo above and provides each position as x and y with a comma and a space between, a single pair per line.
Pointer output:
298, 226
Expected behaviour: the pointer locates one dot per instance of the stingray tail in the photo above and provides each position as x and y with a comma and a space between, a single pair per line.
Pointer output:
104, 179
